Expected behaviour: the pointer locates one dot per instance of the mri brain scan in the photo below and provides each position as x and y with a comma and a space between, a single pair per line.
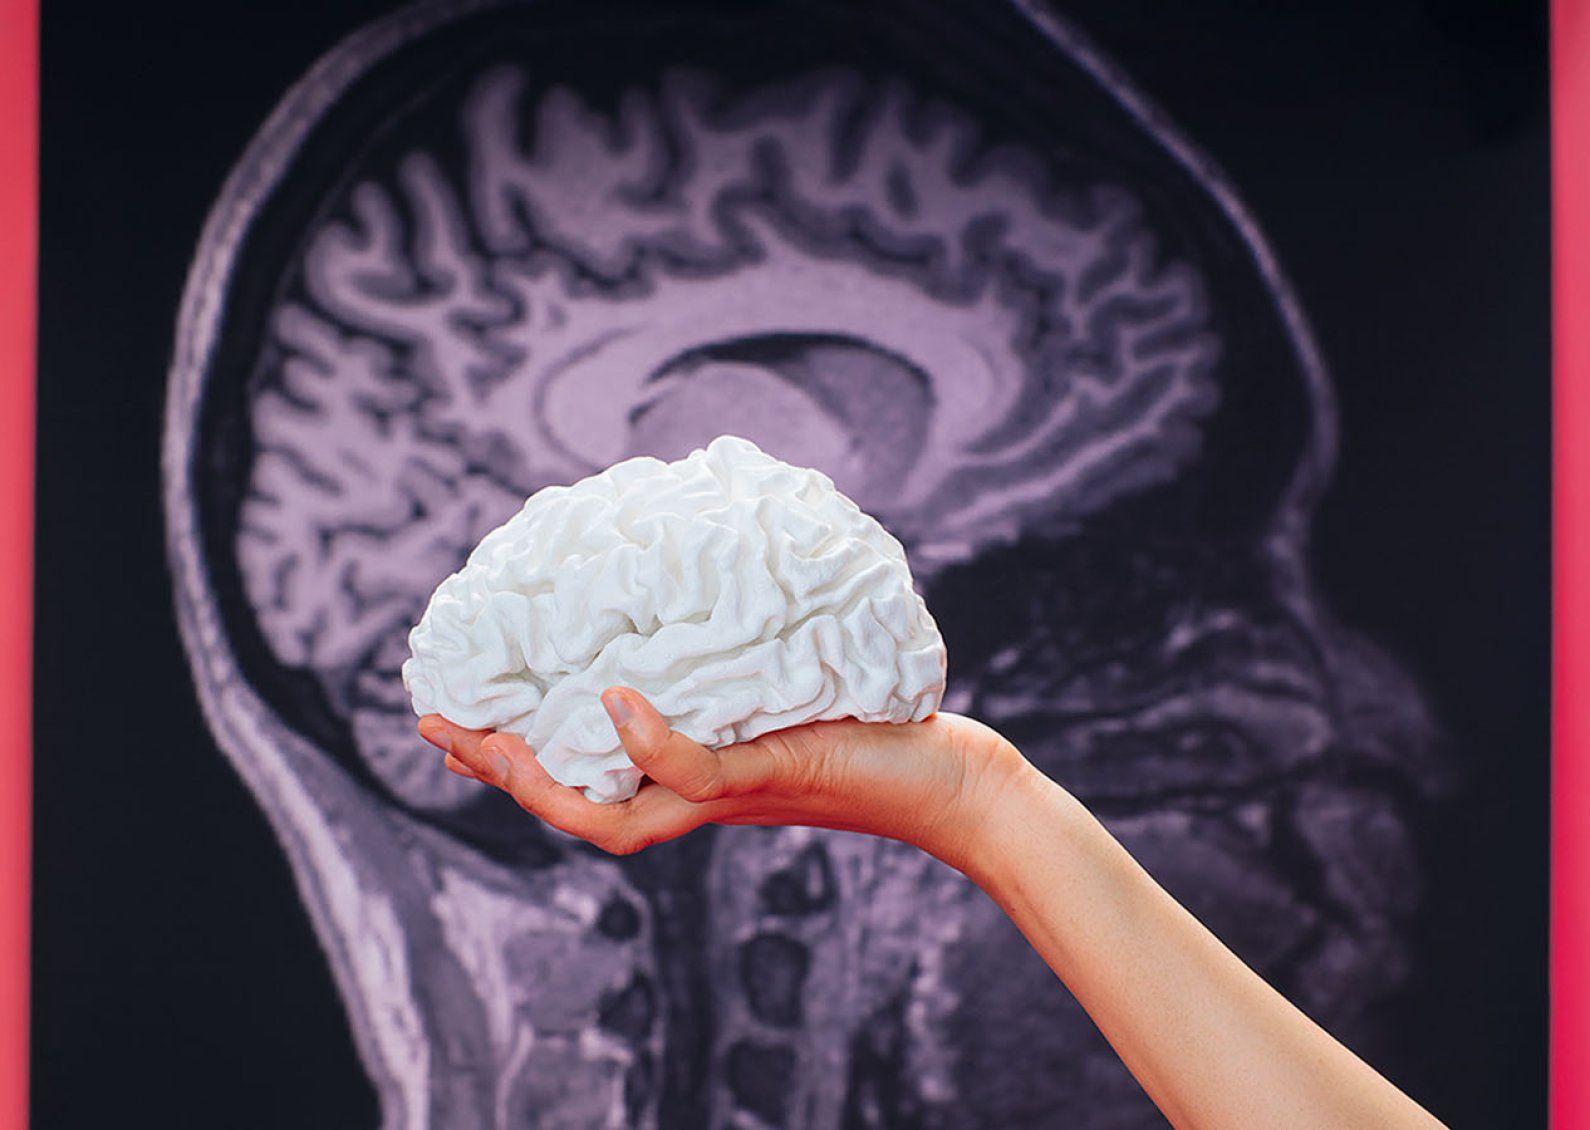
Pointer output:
947, 254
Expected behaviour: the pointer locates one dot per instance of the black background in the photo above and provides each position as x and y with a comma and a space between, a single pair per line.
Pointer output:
1396, 158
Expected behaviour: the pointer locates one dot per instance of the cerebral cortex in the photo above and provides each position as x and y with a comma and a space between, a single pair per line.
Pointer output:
847, 271
739, 593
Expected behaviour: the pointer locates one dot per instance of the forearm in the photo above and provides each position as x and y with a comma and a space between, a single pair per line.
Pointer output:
1208, 1039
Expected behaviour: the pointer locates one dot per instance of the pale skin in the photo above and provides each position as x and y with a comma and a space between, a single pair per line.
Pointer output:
1208, 1039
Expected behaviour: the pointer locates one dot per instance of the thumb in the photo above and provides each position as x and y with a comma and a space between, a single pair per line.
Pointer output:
663, 754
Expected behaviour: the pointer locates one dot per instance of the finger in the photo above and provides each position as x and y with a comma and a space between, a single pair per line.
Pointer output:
653, 815
454, 740
496, 758
685, 767
459, 767
657, 813
514, 767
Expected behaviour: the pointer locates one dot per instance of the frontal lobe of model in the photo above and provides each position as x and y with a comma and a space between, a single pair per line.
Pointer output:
838, 270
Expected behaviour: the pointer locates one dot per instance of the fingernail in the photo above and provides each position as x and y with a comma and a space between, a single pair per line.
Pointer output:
618, 710
499, 766
438, 738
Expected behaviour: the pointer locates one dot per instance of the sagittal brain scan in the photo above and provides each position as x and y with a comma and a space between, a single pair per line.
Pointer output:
944, 252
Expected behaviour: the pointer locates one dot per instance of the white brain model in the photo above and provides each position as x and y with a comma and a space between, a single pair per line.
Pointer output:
738, 593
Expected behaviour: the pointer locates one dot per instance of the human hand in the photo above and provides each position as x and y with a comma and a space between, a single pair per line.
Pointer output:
933, 783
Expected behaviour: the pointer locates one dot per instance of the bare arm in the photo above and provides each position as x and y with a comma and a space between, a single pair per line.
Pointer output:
1208, 1039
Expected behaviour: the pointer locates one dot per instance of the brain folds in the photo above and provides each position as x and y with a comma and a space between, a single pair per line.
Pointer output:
739, 593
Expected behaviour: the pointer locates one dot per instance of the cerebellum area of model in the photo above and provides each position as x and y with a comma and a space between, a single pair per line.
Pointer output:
738, 593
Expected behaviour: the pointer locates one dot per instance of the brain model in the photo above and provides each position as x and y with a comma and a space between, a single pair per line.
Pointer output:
740, 594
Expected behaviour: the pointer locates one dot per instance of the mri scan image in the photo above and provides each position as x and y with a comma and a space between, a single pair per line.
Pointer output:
944, 252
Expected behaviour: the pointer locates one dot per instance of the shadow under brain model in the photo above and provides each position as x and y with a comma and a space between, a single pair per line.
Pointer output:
947, 254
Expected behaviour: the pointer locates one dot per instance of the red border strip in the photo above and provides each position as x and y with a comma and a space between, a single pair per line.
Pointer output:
19, 88
1570, 837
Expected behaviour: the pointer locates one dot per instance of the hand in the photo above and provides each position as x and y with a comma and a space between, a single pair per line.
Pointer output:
934, 783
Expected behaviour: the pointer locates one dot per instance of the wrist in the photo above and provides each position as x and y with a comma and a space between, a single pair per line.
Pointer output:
1004, 799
